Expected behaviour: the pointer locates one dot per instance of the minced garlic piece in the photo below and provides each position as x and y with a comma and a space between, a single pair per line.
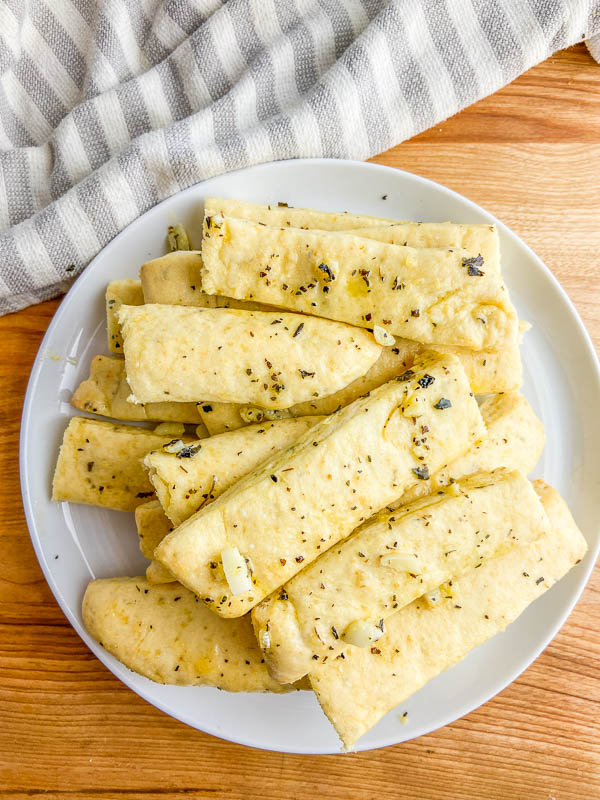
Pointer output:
408, 562
382, 337
175, 446
236, 571
362, 634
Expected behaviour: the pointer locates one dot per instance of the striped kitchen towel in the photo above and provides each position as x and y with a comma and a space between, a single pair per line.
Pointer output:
109, 106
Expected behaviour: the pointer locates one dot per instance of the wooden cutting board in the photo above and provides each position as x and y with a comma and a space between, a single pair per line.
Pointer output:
68, 729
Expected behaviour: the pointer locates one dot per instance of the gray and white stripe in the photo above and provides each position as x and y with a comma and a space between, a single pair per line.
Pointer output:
109, 106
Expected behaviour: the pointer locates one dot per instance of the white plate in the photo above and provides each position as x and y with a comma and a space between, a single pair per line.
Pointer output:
76, 543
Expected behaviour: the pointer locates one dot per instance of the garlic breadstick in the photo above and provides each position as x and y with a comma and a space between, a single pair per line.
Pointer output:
99, 464
152, 526
514, 438
476, 239
284, 216
189, 479
118, 293
106, 391
422, 641
175, 280
346, 595
431, 295
297, 504
488, 372
274, 359
162, 632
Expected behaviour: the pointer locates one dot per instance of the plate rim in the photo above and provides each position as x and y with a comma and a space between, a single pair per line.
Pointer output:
121, 672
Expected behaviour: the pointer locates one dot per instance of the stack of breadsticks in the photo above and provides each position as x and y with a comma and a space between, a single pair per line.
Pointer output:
334, 495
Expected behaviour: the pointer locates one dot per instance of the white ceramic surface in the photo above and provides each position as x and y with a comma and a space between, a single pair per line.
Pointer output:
76, 543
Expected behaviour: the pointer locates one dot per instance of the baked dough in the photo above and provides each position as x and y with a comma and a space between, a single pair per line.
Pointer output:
152, 526
390, 562
190, 479
303, 500
222, 417
106, 391
164, 633
284, 216
477, 239
514, 438
488, 372
274, 359
99, 464
432, 295
156, 573
421, 642
118, 293
175, 279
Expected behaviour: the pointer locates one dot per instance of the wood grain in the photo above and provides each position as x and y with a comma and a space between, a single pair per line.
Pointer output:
68, 729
